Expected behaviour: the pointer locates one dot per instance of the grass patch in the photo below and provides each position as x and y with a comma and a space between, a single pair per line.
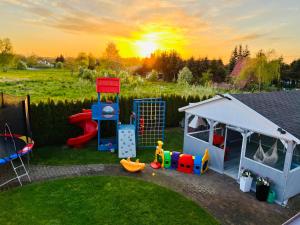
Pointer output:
60, 84
62, 155
98, 200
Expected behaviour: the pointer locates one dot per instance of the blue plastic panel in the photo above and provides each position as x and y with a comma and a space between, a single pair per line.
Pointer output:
126, 141
105, 111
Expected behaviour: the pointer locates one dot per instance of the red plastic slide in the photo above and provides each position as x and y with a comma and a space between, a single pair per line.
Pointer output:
90, 128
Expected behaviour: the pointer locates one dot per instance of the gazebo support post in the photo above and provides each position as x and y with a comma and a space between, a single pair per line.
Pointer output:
245, 135
186, 122
243, 151
212, 124
287, 166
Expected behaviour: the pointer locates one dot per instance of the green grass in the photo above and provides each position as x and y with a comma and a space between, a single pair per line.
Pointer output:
98, 200
62, 155
60, 85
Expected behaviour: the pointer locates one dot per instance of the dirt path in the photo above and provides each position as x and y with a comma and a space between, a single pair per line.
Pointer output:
218, 194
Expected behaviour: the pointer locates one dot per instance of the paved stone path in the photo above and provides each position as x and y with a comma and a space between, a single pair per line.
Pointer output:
218, 194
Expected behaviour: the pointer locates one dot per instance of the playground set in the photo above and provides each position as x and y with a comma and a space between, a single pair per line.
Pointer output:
185, 163
147, 122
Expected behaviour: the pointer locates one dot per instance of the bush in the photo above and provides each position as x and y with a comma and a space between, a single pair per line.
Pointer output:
135, 81
59, 65
4, 69
152, 76
87, 74
185, 76
107, 73
21, 65
206, 78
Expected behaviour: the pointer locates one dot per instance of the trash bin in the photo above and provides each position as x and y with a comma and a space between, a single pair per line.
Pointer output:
262, 192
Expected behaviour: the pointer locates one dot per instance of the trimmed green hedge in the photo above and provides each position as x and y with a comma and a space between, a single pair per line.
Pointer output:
49, 120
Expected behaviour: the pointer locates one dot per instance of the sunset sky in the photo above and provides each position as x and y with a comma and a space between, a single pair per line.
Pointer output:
138, 27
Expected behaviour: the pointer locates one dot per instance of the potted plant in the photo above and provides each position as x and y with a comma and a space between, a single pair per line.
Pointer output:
262, 188
246, 180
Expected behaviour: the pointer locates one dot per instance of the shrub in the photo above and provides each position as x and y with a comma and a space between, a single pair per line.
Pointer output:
206, 78
107, 73
5, 69
185, 76
59, 65
152, 76
135, 81
21, 65
87, 74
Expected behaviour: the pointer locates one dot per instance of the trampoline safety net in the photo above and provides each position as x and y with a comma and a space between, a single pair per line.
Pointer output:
149, 121
15, 112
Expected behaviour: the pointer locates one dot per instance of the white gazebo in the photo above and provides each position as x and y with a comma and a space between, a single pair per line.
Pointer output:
259, 132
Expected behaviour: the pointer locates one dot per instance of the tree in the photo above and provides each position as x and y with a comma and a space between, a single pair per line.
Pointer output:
263, 69
197, 66
233, 59
206, 77
31, 60
60, 58
21, 65
295, 69
185, 76
246, 52
217, 68
59, 65
111, 53
6, 52
112, 59
169, 64
82, 60
92, 62
152, 76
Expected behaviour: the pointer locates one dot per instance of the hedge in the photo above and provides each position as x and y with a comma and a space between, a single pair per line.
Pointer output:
49, 120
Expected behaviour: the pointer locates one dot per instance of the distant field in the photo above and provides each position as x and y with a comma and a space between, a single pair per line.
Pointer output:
60, 85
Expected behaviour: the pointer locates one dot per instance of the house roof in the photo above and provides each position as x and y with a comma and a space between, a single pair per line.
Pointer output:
238, 67
281, 107
236, 110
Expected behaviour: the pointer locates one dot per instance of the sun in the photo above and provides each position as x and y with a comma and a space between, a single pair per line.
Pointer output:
146, 47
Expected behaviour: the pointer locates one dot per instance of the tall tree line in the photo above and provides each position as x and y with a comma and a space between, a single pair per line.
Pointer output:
168, 64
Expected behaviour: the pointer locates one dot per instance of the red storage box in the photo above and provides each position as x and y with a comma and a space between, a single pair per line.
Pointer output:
185, 163
108, 85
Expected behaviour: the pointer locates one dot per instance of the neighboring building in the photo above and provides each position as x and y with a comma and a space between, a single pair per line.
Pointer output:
259, 132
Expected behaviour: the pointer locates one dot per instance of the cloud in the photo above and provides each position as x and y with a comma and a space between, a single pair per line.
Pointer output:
111, 18
103, 26
248, 37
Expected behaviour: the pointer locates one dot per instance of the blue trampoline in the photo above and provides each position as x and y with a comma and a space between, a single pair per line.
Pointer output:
11, 147
15, 135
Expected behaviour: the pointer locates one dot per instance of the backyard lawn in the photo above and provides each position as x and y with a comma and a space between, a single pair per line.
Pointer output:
98, 200
60, 84
62, 155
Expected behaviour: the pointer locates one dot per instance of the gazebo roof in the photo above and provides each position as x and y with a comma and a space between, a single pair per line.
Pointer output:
281, 107
243, 111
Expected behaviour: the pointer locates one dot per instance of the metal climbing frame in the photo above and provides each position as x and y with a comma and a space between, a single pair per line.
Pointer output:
149, 121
